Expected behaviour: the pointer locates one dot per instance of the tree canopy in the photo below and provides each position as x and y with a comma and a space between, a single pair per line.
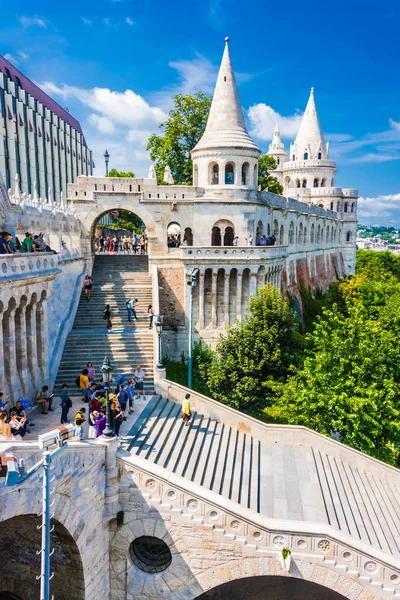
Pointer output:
266, 181
129, 222
115, 173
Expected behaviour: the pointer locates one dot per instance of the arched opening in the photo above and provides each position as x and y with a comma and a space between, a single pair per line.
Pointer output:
305, 235
215, 236
304, 184
298, 184
20, 543
316, 182
188, 237
331, 206
346, 207
332, 182
229, 236
305, 156
255, 175
213, 174
229, 174
338, 207
222, 233
276, 229
323, 182
319, 234
281, 235
259, 232
287, 182
348, 236
271, 587
353, 207
300, 237
293, 157
291, 234
319, 155
173, 235
118, 232
312, 234
246, 174
327, 234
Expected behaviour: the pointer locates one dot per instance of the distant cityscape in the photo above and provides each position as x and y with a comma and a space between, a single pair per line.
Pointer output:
379, 238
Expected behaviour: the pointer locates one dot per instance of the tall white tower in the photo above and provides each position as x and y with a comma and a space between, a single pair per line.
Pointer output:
277, 151
309, 166
225, 155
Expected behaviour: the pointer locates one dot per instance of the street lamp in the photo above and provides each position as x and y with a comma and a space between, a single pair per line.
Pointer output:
106, 159
192, 277
107, 370
159, 327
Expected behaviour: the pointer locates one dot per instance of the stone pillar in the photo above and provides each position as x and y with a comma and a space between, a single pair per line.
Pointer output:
239, 296
31, 338
253, 284
201, 301
3, 382
226, 300
21, 348
10, 357
42, 341
214, 300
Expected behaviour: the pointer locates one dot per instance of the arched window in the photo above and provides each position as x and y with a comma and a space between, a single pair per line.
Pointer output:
215, 236
229, 236
319, 234
316, 182
229, 174
300, 238
312, 235
246, 174
195, 175
222, 233
291, 234
321, 205
346, 207
278, 161
353, 207
287, 182
304, 183
293, 157
331, 205
332, 182
214, 174
268, 229
323, 182
255, 176
188, 237
319, 155
281, 235
338, 207
276, 229
297, 183
327, 235
305, 235
332, 235
173, 235
259, 232
348, 236
305, 156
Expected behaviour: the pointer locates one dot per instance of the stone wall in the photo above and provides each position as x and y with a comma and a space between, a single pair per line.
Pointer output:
171, 282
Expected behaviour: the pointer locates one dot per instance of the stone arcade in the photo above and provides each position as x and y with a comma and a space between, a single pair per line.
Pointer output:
228, 493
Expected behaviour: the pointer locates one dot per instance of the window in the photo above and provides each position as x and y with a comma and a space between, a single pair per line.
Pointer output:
346, 207
305, 156
323, 182
246, 174
214, 176
278, 161
291, 234
229, 174
319, 155
281, 235
104, 187
327, 235
297, 183
312, 236
316, 182
130, 188
331, 205
338, 207
95, 187
348, 236
138, 187
304, 185
352, 207
150, 554
293, 157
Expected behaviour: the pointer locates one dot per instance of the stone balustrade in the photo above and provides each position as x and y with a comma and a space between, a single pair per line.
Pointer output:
27, 264
232, 252
310, 163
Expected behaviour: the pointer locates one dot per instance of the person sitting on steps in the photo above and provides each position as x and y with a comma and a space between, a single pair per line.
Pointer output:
42, 397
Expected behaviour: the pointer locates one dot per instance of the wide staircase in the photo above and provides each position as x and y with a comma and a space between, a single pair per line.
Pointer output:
116, 279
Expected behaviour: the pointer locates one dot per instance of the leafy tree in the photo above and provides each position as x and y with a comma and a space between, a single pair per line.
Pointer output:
255, 354
181, 132
349, 381
115, 173
265, 180
128, 221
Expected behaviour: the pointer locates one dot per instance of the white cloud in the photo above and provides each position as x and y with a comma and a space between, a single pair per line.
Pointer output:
106, 21
380, 208
103, 124
28, 21
86, 21
129, 21
263, 119
21, 56
197, 74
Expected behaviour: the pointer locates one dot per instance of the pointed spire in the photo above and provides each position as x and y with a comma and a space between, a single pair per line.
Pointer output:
225, 125
309, 137
276, 146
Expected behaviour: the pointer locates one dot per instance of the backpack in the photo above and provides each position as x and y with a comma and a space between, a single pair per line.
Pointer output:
68, 403
78, 381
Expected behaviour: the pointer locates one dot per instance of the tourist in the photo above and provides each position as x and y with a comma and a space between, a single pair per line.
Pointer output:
119, 416
95, 402
186, 414
81, 414
150, 312
42, 397
5, 429
5, 238
108, 318
17, 425
92, 431
249, 240
135, 240
235, 241
122, 397
22, 415
91, 372
27, 244
131, 309
138, 377
101, 243
83, 384
65, 404
273, 240
3, 404
78, 433
263, 241
99, 422
106, 244
87, 286
131, 394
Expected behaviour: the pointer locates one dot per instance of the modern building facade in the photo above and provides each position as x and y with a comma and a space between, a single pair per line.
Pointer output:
42, 143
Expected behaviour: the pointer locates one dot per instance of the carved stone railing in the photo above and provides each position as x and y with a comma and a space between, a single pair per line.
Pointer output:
27, 264
238, 253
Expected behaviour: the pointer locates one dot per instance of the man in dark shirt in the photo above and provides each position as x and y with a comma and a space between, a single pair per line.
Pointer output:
65, 404
4, 243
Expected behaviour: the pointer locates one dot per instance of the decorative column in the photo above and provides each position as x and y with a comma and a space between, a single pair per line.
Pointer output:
3, 383
214, 300
10, 357
31, 337
201, 301
239, 296
253, 284
226, 299
42, 339
21, 346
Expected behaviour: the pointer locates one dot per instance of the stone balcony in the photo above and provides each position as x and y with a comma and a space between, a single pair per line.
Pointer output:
232, 253
29, 264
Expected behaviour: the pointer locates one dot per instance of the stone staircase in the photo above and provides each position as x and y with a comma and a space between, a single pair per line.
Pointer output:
116, 279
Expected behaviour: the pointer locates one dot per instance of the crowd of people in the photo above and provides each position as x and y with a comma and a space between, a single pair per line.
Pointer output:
31, 243
126, 244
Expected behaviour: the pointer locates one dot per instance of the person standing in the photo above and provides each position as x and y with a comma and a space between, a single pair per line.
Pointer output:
118, 417
186, 414
123, 397
235, 241
131, 394
84, 384
91, 372
108, 318
138, 376
150, 312
65, 404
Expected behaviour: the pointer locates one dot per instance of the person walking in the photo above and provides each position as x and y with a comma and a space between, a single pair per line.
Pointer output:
122, 397
150, 312
65, 404
87, 286
108, 318
186, 414
83, 384
138, 377
91, 372
131, 308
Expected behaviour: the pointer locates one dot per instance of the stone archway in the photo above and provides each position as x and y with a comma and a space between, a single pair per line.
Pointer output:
271, 587
20, 541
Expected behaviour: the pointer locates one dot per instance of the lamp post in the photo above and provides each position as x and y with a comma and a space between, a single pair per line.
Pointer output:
192, 276
106, 159
107, 370
159, 327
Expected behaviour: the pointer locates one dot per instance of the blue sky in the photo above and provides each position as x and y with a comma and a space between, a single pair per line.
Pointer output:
116, 64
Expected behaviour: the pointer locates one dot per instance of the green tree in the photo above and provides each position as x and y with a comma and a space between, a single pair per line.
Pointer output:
265, 180
181, 132
115, 173
255, 354
129, 221
349, 383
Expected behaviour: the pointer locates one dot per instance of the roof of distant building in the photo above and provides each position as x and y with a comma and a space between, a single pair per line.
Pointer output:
31, 88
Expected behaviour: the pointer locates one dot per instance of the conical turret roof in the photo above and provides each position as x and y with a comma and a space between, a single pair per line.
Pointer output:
310, 129
225, 126
276, 146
